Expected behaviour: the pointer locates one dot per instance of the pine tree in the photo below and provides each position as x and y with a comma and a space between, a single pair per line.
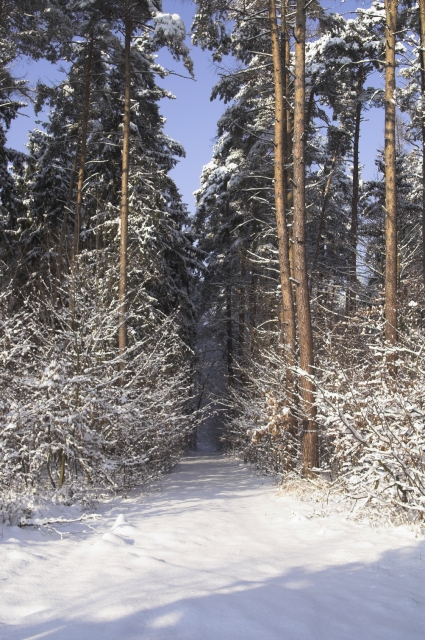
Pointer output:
280, 187
390, 181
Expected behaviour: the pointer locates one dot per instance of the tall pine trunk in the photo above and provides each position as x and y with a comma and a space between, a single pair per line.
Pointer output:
289, 147
80, 182
252, 287
326, 195
390, 183
241, 318
280, 145
83, 148
352, 275
422, 28
252, 311
64, 227
305, 331
230, 373
122, 312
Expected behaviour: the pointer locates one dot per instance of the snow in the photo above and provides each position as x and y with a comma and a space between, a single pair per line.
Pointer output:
213, 553
171, 25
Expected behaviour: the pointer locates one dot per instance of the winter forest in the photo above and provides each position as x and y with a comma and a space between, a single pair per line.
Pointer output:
280, 327
286, 315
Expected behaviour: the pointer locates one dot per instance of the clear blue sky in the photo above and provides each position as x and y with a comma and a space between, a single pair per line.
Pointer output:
192, 117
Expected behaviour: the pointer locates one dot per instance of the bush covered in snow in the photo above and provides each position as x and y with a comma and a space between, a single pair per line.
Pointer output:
259, 425
371, 424
70, 414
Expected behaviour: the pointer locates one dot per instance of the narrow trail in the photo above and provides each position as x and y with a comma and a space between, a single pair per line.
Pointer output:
217, 554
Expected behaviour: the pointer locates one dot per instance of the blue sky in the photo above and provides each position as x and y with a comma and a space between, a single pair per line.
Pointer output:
191, 118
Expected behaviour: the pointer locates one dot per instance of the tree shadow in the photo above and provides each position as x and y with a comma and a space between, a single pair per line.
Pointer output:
383, 600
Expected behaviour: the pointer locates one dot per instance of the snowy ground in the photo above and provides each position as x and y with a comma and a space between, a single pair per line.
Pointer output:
216, 555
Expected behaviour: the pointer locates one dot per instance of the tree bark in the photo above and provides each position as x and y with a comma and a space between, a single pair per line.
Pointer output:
122, 313
83, 149
309, 113
62, 468
352, 268
422, 28
326, 195
280, 134
230, 373
305, 332
241, 319
252, 302
390, 184
64, 227
288, 148
252, 289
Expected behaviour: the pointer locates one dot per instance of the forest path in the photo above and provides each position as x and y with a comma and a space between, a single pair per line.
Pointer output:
217, 554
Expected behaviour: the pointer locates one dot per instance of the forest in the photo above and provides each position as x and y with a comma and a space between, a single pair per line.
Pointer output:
286, 316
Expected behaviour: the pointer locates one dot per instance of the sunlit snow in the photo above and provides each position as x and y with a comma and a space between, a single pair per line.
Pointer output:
214, 553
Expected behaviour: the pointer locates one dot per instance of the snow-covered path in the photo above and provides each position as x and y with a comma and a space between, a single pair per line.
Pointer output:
216, 555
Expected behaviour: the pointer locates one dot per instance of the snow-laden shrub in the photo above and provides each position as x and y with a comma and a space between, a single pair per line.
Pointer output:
371, 423
259, 426
38, 507
69, 412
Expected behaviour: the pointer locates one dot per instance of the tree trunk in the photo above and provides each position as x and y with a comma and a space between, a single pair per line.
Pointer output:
326, 195
62, 468
305, 332
422, 24
83, 150
230, 374
352, 268
64, 227
390, 184
241, 319
289, 193
309, 113
122, 314
280, 190
252, 289
252, 302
